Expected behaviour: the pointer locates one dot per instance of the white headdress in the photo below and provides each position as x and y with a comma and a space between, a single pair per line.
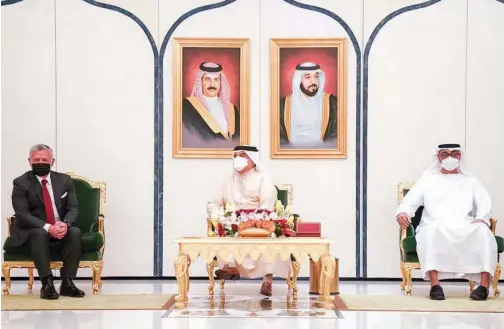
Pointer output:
298, 98
224, 93
252, 152
435, 166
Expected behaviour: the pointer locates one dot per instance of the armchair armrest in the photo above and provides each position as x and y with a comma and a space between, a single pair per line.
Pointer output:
9, 224
405, 232
493, 225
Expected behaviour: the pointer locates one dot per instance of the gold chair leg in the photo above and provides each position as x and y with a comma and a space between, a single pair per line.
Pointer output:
30, 278
96, 277
211, 281
471, 285
495, 283
6, 267
100, 282
409, 283
403, 274
221, 283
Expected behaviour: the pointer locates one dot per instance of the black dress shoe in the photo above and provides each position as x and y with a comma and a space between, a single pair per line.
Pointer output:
48, 291
69, 289
436, 293
480, 293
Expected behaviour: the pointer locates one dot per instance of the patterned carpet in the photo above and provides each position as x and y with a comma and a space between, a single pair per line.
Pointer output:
253, 306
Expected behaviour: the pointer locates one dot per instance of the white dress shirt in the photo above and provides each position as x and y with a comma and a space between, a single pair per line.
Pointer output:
51, 194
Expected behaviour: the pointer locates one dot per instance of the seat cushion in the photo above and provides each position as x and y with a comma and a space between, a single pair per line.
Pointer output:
85, 257
409, 244
91, 242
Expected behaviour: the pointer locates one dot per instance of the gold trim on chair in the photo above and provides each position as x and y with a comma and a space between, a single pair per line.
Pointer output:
289, 189
96, 266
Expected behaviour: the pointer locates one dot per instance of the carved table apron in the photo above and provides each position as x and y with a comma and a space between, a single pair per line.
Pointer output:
294, 249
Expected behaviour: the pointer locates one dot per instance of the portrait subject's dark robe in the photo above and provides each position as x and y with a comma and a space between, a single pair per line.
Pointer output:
329, 128
197, 119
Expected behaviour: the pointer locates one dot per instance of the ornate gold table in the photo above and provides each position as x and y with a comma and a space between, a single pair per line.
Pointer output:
294, 249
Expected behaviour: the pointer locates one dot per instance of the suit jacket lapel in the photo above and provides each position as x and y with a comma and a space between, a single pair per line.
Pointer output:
37, 187
57, 188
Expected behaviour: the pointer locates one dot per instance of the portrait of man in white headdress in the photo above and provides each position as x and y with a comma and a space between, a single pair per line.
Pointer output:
208, 115
308, 116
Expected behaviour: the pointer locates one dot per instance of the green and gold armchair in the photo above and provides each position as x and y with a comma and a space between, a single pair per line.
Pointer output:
91, 199
407, 245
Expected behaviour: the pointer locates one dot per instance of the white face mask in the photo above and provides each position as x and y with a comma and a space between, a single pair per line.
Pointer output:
239, 163
450, 163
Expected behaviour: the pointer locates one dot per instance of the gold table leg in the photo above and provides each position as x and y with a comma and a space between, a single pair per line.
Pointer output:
182, 275
326, 276
295, 273
211, 282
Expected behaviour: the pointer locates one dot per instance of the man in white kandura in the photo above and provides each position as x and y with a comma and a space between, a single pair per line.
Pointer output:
453, 238
248, 188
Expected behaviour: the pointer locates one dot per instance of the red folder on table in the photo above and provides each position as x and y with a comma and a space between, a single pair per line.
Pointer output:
308, 229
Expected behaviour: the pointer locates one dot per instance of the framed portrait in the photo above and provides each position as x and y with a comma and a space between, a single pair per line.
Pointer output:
308, 84
210, 97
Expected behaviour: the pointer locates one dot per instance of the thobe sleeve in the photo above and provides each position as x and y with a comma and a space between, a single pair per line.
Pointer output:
268, 194
482, 202
217, 201
413, 199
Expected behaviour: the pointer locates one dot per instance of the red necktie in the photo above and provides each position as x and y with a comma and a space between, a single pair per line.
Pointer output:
48, 204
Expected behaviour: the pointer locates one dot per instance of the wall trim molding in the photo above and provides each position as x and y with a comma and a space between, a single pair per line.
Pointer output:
10, 2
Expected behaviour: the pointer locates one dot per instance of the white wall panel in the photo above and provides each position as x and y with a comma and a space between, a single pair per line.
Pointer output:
485, 96
324, 190
28, 91
105, 83
190, 183
416, 101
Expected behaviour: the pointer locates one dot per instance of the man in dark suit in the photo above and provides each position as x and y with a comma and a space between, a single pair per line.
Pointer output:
45, 206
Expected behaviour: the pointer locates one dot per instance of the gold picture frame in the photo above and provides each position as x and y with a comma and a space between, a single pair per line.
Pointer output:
281, 72
220, 143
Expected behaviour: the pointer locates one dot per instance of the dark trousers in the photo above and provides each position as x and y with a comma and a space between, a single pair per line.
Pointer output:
43, 246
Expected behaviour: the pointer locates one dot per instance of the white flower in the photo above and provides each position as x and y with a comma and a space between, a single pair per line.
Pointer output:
233, 217
273, 235
258, 216
273, 216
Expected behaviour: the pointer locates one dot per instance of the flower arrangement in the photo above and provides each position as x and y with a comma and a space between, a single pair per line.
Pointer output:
231, 222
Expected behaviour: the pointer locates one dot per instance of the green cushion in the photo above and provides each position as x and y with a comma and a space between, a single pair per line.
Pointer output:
411, 257
91, 242
500, 244
409, 244
283, 196
88, 199
85, 257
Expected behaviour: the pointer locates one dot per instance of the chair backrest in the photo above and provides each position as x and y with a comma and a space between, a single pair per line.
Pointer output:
91, 197
284, 194
402, 190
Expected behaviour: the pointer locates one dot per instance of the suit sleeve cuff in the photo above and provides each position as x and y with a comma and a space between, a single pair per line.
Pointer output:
46, 227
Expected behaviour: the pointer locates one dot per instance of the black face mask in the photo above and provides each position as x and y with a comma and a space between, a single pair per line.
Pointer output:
41, 169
